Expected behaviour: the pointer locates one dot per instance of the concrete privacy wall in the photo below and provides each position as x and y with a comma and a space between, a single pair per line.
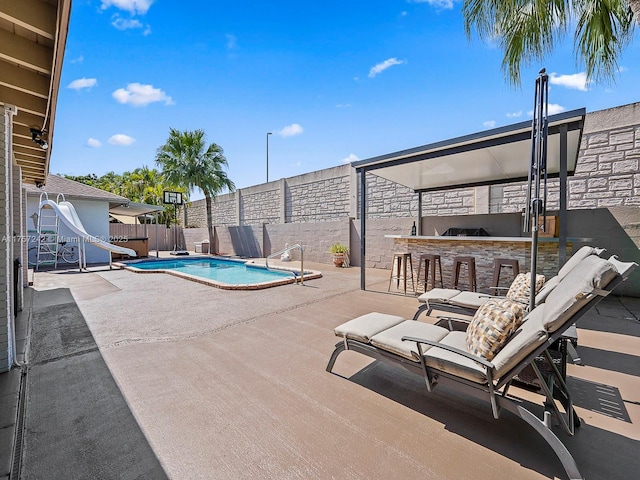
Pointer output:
605, 188
606, 176
607, 169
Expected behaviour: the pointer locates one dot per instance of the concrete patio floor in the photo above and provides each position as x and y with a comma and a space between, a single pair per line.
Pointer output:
232, 385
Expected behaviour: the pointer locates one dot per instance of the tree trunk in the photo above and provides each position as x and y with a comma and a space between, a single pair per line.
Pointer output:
635, 8
207, 199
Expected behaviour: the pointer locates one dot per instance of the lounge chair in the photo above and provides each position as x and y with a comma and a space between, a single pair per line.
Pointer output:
484, 366
464, 302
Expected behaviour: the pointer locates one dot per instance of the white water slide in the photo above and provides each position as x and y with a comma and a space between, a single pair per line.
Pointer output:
67, 213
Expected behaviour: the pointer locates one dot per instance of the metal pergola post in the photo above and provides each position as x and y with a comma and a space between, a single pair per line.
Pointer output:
562, 234
363, 226
419, 213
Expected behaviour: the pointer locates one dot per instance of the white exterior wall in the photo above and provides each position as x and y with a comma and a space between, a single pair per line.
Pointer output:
18, 232
6, 250
94, 215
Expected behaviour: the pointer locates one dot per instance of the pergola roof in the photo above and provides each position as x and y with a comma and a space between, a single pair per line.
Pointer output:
33, 36
500, 155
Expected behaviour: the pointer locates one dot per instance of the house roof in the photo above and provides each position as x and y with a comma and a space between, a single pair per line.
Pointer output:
499, 155
72, 189
33, 36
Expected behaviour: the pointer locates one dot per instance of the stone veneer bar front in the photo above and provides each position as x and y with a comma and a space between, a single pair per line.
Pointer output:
484, 249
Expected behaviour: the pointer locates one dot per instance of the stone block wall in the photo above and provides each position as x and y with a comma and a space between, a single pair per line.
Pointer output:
606, 173
452, 202
388, 199
258, 206
606, 177
319, 199
224, 209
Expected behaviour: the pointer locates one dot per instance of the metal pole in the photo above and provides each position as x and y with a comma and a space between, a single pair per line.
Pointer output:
157, 247
363, 226
537, 172
562, 234
419, 213
268, 133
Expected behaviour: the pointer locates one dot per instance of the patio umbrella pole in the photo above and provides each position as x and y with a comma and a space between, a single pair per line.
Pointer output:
535, 205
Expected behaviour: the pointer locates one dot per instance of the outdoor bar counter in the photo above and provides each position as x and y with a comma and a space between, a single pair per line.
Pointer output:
484, 249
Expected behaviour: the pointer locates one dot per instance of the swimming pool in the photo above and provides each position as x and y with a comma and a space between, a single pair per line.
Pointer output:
222, 273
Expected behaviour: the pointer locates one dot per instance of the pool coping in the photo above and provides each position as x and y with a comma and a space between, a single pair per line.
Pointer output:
308, 274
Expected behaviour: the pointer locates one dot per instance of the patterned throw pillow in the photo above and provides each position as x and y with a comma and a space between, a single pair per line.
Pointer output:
492, 325
519, 290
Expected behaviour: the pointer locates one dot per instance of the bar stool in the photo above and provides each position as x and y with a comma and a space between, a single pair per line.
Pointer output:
399, 266
498, 264
430, 261
470, 262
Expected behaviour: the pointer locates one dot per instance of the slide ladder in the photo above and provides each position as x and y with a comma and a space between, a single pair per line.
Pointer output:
48, 231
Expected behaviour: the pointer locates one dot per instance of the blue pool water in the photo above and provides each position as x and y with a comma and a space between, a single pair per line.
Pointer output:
223, 271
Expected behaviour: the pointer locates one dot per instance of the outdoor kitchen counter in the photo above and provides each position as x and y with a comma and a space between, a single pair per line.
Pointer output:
484, 249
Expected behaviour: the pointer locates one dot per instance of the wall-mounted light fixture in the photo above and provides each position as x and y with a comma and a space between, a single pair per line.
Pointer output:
36, 137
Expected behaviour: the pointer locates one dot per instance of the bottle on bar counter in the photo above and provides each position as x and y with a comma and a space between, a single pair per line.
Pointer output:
413, 229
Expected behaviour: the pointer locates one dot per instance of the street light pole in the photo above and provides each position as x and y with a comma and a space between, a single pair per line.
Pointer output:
268, 133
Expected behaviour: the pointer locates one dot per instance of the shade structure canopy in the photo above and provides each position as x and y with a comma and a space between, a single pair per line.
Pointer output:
497, 156
500, 155
133, 209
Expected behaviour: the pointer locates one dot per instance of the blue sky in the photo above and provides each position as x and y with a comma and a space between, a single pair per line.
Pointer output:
335, 81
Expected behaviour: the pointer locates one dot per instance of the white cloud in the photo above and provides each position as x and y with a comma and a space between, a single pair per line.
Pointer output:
577, 81
93, 143
553, 109
343, 105
138, 94
515, 114
121, 139
80, 59
351, 158
441, 4
83, 82
291, 130
126, 23
135, 7
381, 67
232, 41
489, 124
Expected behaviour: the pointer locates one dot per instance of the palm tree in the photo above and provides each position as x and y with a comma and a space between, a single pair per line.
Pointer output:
529, 29
187, 161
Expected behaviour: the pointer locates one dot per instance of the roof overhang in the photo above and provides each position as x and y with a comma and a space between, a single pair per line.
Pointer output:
33, 35
500, 155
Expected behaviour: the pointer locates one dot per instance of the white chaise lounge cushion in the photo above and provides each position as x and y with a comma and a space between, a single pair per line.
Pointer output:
453, 363
527, 337
391, 339
576, 258
470, 299
576, 289
438, 295
491, 327
548, 287
364, 327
